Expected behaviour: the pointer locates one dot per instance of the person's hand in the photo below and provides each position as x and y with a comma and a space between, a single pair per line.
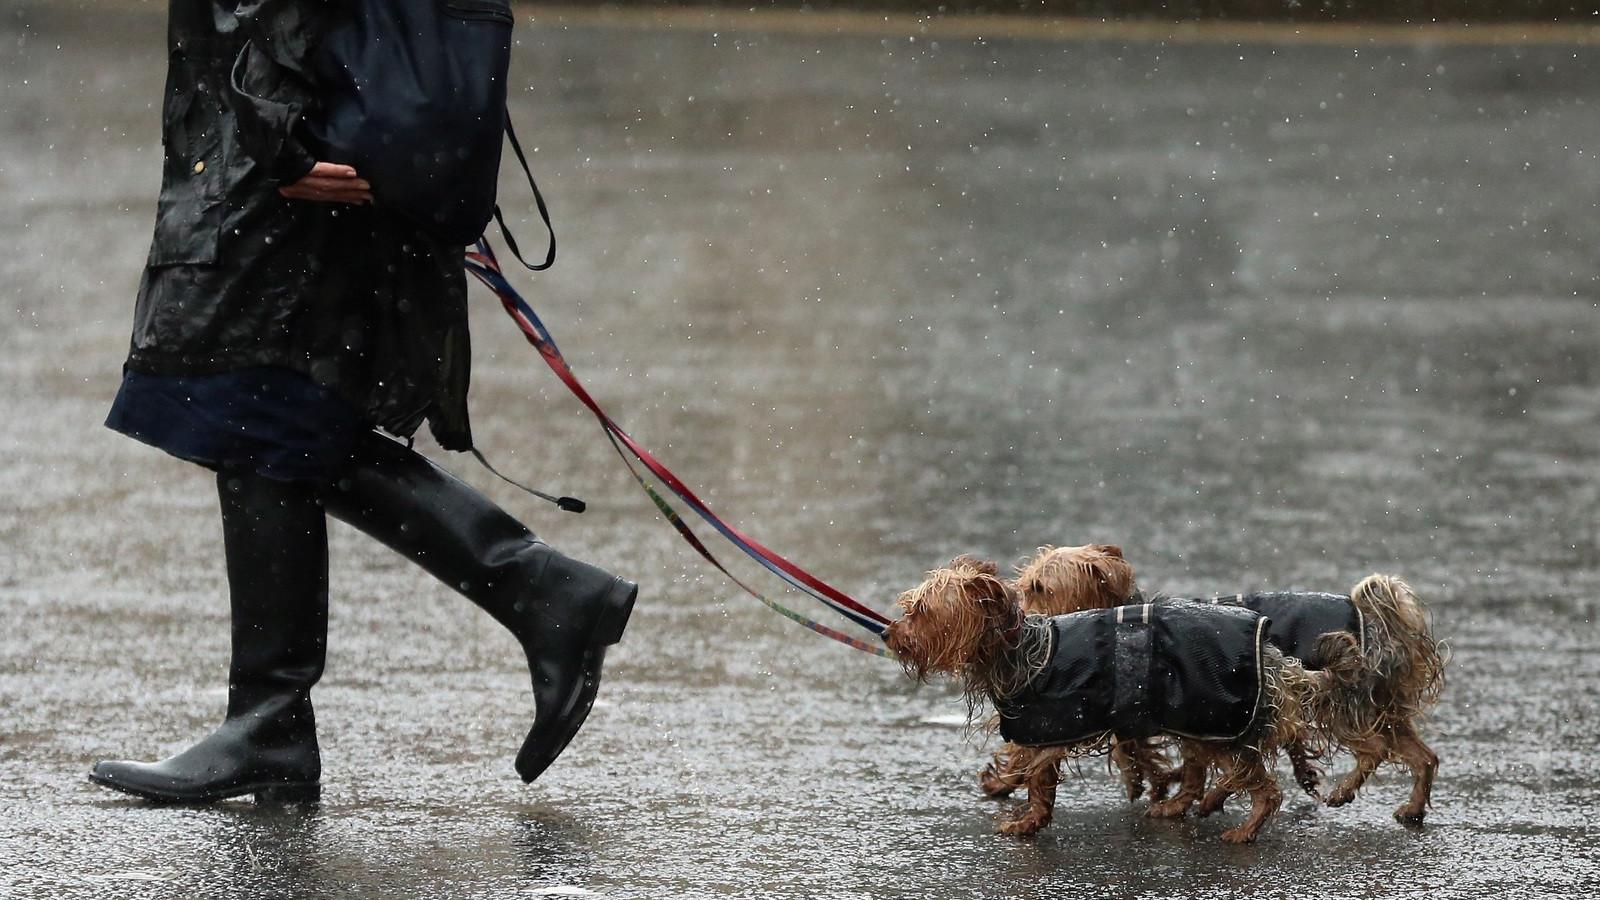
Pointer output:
330, 183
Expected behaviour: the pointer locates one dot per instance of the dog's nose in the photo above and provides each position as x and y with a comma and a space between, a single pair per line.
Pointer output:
894, 638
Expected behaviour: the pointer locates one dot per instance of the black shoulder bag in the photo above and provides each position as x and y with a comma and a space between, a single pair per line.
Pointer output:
414, 98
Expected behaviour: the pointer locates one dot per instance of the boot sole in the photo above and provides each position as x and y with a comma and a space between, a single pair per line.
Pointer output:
607, 631
266, 792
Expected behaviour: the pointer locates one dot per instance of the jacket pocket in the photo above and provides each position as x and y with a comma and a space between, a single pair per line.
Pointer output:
189, 209
483, 10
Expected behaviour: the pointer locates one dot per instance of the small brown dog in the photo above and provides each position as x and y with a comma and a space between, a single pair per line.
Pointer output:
1063, 685
1384, 680
1061, 580
1385, 666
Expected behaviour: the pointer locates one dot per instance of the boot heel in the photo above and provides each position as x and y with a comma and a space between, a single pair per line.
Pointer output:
618, 607
302, 792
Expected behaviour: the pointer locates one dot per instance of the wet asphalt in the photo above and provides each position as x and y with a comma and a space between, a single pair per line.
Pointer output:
1265, 316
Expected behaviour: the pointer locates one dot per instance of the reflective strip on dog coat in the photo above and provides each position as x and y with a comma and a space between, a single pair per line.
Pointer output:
1178, 667
1299, 618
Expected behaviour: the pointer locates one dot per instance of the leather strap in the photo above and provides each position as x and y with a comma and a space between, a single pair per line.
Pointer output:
1131, 673
538, 199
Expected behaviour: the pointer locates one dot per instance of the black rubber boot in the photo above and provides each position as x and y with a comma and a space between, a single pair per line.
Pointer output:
276, 542
563, 612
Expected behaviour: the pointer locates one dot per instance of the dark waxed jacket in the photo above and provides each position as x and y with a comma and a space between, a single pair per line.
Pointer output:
239, 276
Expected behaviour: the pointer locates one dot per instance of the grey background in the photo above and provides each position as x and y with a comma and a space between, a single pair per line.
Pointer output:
1418, 11
1263, 315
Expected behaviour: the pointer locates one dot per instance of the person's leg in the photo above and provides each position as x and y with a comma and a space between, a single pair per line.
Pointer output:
563, 612
276, 544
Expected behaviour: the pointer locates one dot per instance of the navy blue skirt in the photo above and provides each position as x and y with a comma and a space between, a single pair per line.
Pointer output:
265, 420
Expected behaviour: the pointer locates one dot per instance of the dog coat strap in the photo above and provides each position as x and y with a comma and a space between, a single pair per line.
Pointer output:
1130, 693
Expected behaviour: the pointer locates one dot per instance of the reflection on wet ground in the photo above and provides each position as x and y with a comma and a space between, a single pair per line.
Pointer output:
1263, 316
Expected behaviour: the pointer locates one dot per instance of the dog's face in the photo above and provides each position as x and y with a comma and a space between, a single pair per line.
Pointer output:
1061, 580
948, 618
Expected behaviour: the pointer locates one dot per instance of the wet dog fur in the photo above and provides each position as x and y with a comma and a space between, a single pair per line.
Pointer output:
966, 622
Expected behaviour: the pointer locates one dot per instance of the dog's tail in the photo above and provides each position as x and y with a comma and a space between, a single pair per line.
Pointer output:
1404, 653
1402, 671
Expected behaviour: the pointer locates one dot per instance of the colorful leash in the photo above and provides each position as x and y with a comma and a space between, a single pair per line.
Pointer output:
486, 268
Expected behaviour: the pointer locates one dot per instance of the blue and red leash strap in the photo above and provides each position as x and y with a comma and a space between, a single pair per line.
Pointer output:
483, 265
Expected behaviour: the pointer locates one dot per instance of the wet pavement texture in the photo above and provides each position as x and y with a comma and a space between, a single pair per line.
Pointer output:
1264, 316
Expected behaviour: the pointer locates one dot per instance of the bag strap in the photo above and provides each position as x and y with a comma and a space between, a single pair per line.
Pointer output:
567, 504
570, 504
538, 199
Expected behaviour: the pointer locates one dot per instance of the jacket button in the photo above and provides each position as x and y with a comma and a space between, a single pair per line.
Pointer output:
199, 167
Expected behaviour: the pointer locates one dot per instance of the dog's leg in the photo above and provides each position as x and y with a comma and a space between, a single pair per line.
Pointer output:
1306, 772
1369, 753
1265, 796
1043, 773
1423, 763
1160, 775
1213, 801
1125, 755
1195, 759
1002, 775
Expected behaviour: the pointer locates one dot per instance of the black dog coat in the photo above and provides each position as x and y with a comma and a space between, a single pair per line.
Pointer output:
1299, 618
1178, 667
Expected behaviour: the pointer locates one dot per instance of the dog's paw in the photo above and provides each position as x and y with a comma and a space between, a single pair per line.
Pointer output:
1409, 817
1023, 826
997, 790
1175, 808
1240, 835
995, 785
1340, 796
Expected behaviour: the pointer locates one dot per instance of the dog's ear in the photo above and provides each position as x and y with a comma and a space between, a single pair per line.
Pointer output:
990, 591
1109, 550
968, 561
1116, 578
